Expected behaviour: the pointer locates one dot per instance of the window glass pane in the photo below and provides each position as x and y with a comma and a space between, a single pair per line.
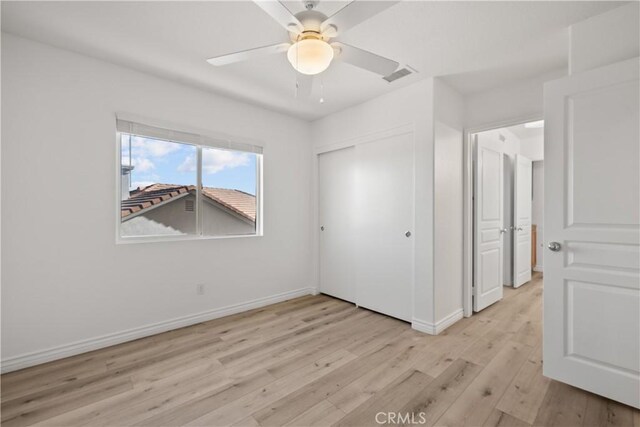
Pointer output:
158, 187
229, 180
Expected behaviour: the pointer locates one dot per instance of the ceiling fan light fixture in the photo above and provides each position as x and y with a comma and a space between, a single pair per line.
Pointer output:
310, 56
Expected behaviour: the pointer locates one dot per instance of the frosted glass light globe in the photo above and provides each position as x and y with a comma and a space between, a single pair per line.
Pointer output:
310, 56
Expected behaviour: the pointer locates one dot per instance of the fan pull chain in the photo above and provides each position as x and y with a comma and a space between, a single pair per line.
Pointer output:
321, 91
297, 74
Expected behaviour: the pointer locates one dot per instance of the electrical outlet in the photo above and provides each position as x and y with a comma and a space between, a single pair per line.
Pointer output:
200, 289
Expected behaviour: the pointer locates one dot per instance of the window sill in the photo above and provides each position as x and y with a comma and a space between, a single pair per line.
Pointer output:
157, 239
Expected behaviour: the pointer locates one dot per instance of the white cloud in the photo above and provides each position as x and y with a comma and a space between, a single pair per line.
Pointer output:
153, 147
214, 161
140, 164
143, 164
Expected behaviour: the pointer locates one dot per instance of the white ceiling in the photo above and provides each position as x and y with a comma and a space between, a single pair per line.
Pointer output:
480, 44
523, 132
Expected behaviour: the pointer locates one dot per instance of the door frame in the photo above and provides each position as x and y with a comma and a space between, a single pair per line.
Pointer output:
467, 244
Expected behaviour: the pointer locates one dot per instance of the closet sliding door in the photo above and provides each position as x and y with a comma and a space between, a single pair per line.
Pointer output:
336, 192
384, 225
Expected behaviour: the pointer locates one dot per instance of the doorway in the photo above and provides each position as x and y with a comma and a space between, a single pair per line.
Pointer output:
503, 209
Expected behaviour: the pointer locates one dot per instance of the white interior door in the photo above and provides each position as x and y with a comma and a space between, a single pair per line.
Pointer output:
488, 223
384, 223
336, 191
592, 222
522, 221
508, 165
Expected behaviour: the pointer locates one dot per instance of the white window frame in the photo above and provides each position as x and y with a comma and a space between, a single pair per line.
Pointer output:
164, 132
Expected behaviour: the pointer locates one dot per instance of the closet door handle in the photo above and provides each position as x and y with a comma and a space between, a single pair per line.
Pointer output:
408, 234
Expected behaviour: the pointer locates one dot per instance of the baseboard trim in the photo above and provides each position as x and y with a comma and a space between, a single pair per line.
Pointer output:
537, 268
439, 326
59, 352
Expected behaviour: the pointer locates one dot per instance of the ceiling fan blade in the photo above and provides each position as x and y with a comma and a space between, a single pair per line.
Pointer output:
354, 13
245, 55
281, 14
304, 85
365, 59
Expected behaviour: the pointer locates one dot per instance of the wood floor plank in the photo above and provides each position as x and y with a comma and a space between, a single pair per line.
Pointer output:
527, 390
563, 405
441, 354
315, 360
289, 407
174, 365
601, 412
263, 396
385, 331
486, 347
377, 378
247, 422
285, 339
160, 352
390, 401
24, 413
323, 414
348, 337
182, 414
430, 403
145, 401
530, 333
52, 374
500, 419
291, 320
473, 407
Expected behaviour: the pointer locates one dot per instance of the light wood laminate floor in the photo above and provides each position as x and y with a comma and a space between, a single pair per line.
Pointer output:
315, 360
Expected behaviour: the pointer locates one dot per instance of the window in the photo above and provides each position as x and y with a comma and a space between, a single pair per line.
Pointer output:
179, 185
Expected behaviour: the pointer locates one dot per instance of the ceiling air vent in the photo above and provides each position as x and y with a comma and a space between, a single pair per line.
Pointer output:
189, 205
402, 72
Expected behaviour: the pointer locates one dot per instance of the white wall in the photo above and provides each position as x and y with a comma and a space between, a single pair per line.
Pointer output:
532, 148
411, 105
603, 39
537, 210
448, 201
512, 102
64, 279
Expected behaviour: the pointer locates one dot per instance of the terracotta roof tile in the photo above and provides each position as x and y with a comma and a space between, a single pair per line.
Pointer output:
244, 204
238, 201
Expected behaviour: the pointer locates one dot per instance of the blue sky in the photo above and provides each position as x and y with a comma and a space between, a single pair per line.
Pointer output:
157, 161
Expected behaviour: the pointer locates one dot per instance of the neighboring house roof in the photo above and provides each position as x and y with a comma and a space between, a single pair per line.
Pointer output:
238, 201
141, 199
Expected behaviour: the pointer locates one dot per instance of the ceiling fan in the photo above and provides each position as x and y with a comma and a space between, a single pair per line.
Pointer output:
310, 51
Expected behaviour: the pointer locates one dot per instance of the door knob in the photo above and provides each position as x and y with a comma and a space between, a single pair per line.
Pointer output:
503, 230
554, 246
519, 228
408, 234
322, 228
